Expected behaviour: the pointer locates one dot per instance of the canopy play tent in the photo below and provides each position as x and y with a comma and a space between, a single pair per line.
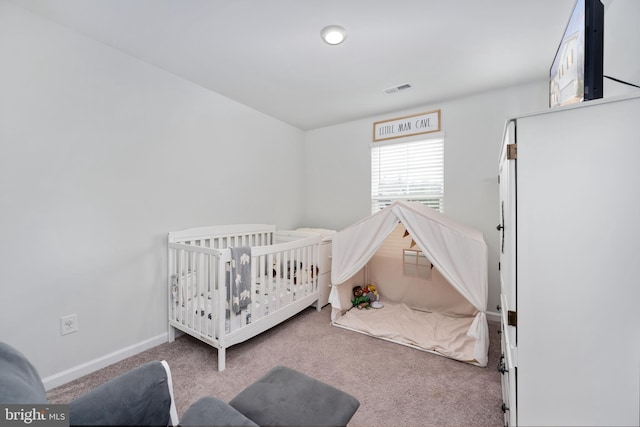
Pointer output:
458, 254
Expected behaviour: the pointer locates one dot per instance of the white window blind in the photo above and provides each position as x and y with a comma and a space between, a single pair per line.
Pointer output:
412, 171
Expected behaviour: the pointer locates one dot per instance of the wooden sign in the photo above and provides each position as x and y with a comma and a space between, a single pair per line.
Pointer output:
416, 124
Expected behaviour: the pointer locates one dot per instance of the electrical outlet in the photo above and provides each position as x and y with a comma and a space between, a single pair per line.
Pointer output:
68, 324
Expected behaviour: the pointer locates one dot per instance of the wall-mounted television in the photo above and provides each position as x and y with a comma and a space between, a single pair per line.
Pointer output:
576, 72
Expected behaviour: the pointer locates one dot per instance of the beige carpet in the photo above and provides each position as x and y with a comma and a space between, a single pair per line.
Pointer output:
396, 385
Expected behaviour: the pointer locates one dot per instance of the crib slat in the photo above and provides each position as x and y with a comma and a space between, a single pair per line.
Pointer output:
189, 287
270, 283
282, 281
181, 276
221, 310
263, 278
173, 290
199, 277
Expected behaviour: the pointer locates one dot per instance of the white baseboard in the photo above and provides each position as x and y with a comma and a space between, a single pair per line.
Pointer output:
76, 372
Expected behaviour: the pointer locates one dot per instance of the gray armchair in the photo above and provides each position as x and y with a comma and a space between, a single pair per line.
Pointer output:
144, 396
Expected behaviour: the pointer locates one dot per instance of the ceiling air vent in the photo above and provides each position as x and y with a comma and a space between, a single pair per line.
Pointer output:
398, 88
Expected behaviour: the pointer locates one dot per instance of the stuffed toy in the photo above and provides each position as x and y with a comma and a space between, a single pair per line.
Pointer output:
360, 300
371, 292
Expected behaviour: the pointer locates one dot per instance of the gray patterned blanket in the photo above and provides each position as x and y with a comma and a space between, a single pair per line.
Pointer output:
239, 279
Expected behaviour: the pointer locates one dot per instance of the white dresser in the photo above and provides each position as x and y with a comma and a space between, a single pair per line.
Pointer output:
570, 266
324, 279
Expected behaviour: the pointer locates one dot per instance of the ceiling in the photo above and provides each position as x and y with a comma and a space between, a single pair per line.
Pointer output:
269, 56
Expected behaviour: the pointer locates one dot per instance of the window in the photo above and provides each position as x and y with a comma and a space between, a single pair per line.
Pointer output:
412, 171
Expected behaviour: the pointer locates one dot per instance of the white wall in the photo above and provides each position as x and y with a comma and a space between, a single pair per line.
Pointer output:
338, 164
621, 46
101, 156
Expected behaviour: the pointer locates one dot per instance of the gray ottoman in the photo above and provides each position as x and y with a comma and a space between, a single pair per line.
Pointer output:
284, 397
209, 410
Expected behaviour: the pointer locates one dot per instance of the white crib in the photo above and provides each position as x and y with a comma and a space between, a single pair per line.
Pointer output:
284, 281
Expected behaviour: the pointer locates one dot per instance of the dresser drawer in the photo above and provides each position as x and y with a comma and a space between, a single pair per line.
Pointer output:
325, 257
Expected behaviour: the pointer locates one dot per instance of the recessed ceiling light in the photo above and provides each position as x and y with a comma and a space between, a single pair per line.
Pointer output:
333, 34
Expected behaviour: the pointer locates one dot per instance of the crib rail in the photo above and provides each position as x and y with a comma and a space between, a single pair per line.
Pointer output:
226, 236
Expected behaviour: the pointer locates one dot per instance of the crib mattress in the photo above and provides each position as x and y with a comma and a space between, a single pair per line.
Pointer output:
435, 332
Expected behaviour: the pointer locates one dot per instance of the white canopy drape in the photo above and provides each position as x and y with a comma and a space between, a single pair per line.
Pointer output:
458, 252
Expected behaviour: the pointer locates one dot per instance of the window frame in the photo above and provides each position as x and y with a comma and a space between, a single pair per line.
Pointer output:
433, 145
